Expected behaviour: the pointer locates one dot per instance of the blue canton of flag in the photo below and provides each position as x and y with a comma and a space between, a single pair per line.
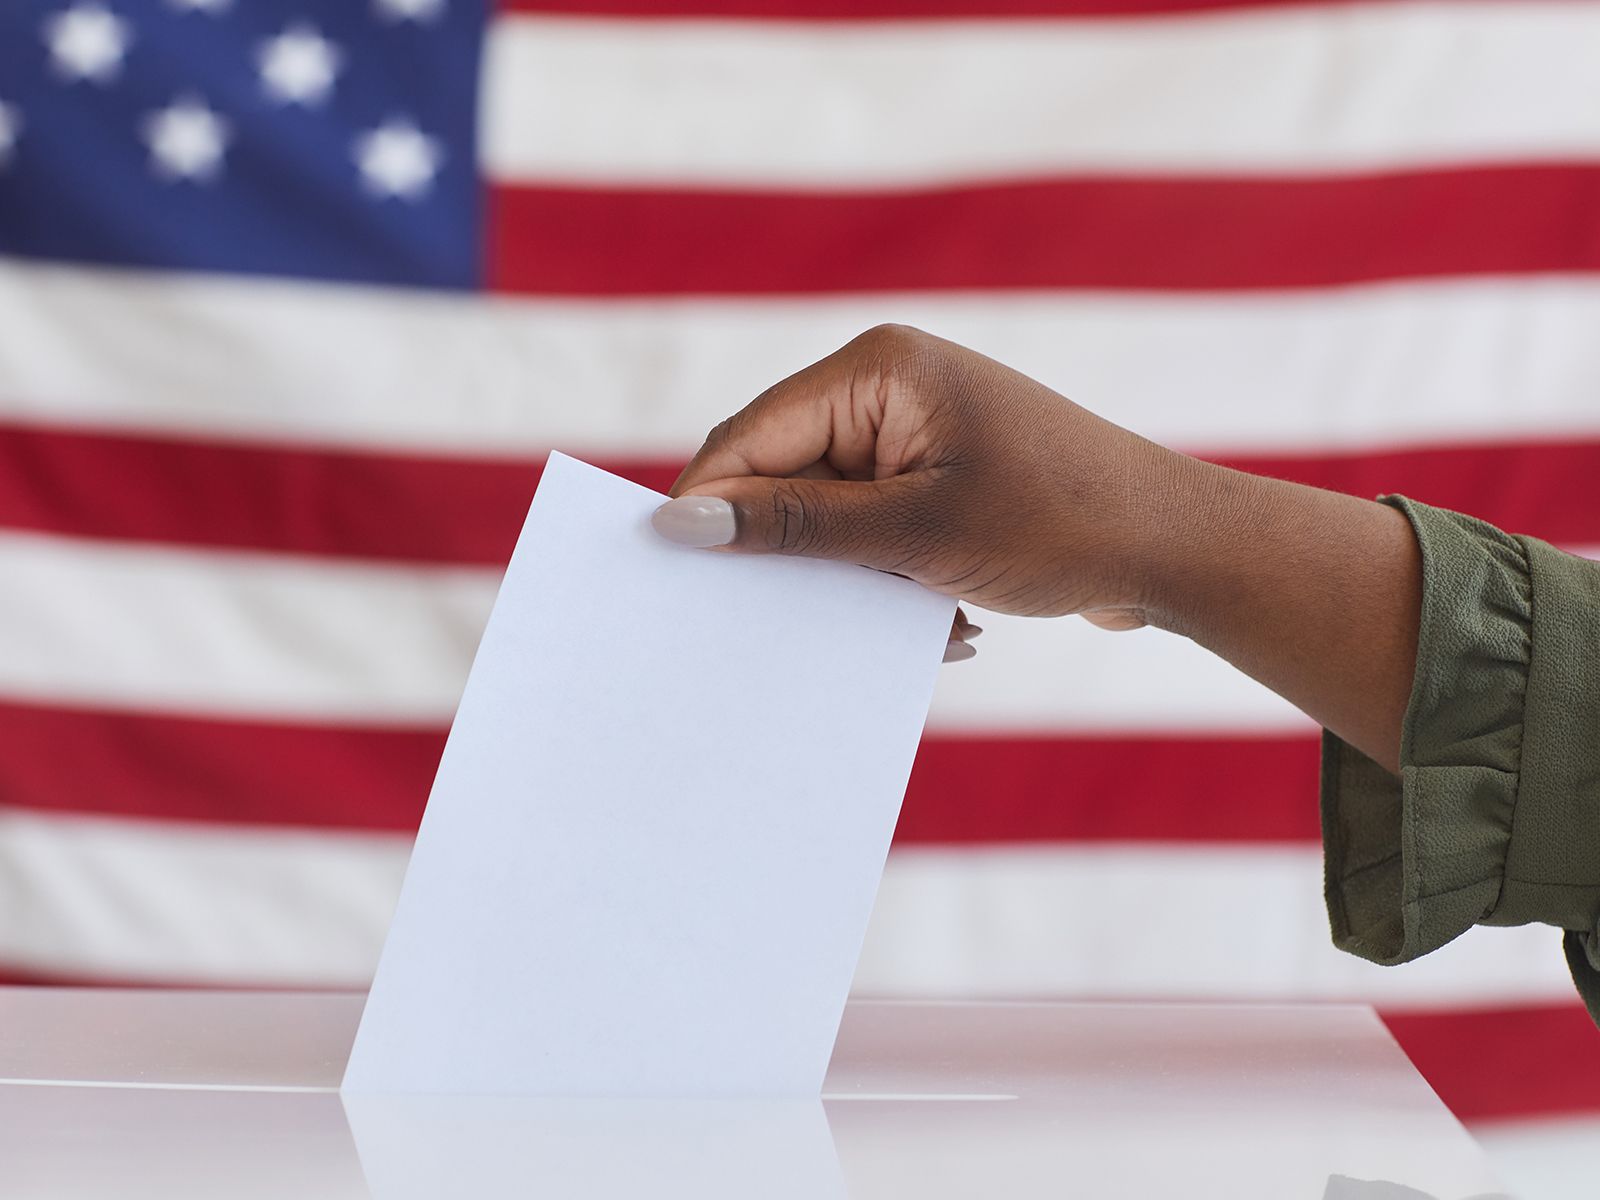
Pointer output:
331, 140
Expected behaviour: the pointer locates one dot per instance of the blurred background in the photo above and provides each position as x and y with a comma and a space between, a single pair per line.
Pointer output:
296, 294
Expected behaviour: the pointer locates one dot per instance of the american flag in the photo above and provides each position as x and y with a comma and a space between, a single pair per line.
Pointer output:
296, 296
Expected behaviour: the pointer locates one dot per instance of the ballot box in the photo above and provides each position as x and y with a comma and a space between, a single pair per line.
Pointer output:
178, 1094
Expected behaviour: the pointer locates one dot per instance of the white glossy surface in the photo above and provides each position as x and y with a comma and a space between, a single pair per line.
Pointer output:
1544, 1159
178, 1095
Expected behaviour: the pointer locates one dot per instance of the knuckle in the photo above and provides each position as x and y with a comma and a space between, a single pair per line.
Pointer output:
793, 526
891, 340
899, 355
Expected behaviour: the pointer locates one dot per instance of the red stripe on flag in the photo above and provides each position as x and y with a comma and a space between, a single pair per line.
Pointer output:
971, 790
1527, 1061
964, 790
1546, 489
877, 10
1165, 233
300, 500
122, 764
262, 497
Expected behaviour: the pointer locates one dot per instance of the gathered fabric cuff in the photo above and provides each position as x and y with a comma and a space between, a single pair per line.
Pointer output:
1413, 861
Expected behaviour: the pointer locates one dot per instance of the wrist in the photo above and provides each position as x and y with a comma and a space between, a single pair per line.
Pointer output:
1197, 536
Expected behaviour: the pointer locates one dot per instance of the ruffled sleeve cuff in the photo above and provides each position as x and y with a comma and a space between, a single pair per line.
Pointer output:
1414, 861
1495, 816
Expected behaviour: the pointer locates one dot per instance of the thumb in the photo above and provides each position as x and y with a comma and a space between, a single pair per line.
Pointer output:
817, 518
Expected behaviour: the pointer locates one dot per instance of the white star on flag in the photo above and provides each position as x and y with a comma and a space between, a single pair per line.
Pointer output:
299, 66
211, 7
398, 159
10, 127
409, 10
87, 41
186, 140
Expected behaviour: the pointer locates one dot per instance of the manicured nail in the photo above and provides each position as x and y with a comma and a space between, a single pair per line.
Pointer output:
695, 521
955, 651
968, 632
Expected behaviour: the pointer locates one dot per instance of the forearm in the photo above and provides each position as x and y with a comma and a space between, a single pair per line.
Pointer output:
1313, 593
910, 454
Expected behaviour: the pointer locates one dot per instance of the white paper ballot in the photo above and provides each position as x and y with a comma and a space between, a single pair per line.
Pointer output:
654, 840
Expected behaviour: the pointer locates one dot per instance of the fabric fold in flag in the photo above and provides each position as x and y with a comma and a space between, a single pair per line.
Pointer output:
296, 298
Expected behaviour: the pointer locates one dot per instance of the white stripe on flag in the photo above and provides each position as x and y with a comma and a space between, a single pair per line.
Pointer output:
146, 900
226, 632
1461, 360
1202, 922
900, 103
149, 900
246, 634
230, 633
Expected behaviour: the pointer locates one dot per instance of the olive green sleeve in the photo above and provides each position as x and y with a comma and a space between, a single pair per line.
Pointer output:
1495, 816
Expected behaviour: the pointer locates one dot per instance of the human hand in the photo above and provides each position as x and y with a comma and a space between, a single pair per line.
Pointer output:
911, 454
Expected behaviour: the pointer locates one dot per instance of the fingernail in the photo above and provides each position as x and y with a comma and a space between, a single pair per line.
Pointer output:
968, 632
695, 521
955, 651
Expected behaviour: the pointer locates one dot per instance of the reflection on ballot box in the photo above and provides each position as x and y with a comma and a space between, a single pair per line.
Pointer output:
426, 1147
177, 1096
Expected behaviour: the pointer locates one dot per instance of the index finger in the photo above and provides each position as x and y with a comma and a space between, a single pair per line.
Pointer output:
790, 427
